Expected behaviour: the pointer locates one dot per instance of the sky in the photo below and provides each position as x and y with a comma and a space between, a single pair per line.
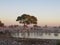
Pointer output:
46, 11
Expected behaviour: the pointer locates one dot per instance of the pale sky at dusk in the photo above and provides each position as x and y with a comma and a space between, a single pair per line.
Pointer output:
47, 11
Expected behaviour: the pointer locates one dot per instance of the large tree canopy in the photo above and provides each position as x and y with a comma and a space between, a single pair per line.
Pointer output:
27, 19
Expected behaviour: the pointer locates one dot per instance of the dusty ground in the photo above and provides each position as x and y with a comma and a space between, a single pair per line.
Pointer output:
8, 40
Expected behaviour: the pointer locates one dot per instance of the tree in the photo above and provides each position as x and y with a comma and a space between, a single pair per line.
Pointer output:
1, 24
26, 19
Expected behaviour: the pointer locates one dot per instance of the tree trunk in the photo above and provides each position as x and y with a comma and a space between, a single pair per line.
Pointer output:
23, 32
28, 33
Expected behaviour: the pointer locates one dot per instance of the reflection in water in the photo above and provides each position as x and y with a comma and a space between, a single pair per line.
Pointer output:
38, 35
